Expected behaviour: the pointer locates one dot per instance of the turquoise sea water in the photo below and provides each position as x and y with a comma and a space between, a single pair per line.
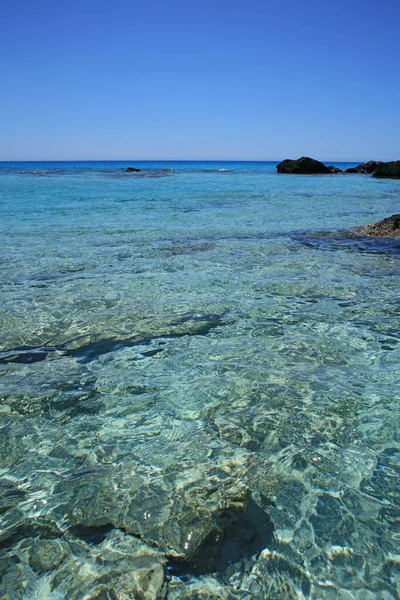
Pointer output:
199, 384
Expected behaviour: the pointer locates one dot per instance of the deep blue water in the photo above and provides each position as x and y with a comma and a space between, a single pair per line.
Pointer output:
199, 374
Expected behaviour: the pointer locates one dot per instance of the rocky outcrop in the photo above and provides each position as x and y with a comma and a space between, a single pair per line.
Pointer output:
305, 166
389, 227
367, 167
388, 169
132, 170
378, 168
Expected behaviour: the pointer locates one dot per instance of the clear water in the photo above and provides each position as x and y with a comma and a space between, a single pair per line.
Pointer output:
199, 383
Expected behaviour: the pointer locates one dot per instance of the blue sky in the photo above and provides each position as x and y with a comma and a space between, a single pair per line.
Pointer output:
254, 79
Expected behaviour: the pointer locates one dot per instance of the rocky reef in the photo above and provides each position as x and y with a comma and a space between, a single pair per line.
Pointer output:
132, 170
389, 227
305, 166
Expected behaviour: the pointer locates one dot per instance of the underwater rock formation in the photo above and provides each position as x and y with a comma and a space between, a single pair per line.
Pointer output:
119, 567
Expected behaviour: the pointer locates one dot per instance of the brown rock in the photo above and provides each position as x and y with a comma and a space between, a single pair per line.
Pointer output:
389, 227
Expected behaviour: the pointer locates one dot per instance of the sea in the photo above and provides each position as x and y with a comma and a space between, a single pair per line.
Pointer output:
199, 383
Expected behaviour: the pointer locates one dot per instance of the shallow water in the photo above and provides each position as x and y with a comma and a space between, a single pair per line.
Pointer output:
199, 378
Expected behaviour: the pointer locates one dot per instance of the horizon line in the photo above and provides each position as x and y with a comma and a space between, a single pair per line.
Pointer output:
93, 160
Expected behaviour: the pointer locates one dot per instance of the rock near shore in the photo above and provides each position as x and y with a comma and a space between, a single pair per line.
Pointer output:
389, 227
367, 167
305, 166
388, 169
378, 169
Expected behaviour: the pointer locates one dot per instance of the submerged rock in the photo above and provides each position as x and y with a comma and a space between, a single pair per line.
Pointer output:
389, 169
305, 166
119, 567
46, 555
132, 170
274, 576
389, 227
103, 592
206, 588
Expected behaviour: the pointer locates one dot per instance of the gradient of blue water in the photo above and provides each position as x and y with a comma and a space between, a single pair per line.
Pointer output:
299, 373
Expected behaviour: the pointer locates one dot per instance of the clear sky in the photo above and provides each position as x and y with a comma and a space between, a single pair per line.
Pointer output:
205, 79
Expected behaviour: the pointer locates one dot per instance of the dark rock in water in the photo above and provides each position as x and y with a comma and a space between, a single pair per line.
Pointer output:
304, 166
309, 166
378, 169
389, 227
236, 535
367, 167
389, 169
188, 324
132, 170
91, 535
